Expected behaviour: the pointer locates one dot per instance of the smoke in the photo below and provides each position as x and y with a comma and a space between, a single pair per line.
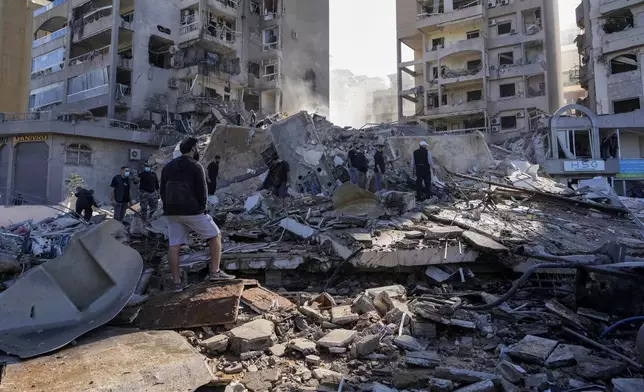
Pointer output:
352, 98
301, 95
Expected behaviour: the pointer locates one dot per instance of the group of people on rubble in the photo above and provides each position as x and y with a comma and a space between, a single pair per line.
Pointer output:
421, 164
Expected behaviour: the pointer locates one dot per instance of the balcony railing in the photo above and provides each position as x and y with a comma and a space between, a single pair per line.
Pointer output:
185, 29
89, 56
49, 70
48, 38
86, 94
270, 46
46, 8
229, 3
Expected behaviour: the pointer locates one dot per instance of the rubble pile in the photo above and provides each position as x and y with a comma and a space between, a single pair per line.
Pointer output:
503, 281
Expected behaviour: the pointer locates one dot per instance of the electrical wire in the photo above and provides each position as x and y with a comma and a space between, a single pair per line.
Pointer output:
621, 322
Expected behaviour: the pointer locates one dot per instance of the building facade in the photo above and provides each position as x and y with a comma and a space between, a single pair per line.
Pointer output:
161, 61
479, 65
611, 54
572, 90
385, 102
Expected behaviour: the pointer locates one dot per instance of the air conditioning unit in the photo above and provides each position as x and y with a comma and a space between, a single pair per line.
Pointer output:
505, 2
520, 114
492, 22
513, 31
491, 4
495, 129
135, 154
173, 83
495, 121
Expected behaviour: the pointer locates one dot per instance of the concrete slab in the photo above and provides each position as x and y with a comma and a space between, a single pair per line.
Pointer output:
200, 305
394, 292
595, 368
364, 345
532, 349
363, 238
409, 343
439, 232
350, 200
297, 228
483, 243
252, 336
114, 360
341, 315
562, 356
483, 386
337, 338
303, 346
424, 359
628, 384
464, 376
217, 343
262, 300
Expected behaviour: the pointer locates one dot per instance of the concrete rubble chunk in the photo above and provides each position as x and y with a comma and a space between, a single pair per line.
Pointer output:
414, 235
593, 368
278, 350
326, 376
628, 384
253, 202
314, 314
440, 385
377, 387
313, 360
401, 202
341, 315
425, 359
507, 386
482, 386
483, 243
262, 300
463, 376
337, 338
409, 343
364, 345
538, 381
510, 371
363, 304
423, 329
218, 343
562, 356
394, 292
440, 232
252, 336
297, 228
363, 238
261, 381
396, 313
532, 349
337, 350
303, 346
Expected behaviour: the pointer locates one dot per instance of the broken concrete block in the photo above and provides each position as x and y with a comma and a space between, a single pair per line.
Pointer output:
377, 387
364, 345
464, 376
510, 371
628, 384
594, 368
341, 315
313, 360
423, 329
314, 314
326, 376
532, 349
363, 238
304, 346
425, 359
414, 235
278, 350
363, 304
261, 381
324, 300
252, 336
507, 386
406, 379
462, 323
337, 338
337, 350
409, 343
394, 292
382, 302
297, 228
440, 232
537, 381
217, 343
234, 368
396, 313
401, 202
483, 243
253, 202
483, 386
562, 356
440, 385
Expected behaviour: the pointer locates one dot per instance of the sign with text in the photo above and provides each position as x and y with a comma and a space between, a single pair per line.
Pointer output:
631, 168
30, 138
591, 165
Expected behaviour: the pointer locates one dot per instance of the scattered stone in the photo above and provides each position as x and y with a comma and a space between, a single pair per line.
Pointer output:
628, 384
405, 379
507, 386
462, 323
303, 346
593, 368
425, 359
313, 360
304, 373
217, 343
326, 376
562, 356
396, 312
235, 386
537, 381
337, 350
396, 291
532, 349
440, 385
574, 384
364, 346
337, 338
252, 336
482, 386
188, 334
414, 235
261, 381
250, 354
377, 387
423, 329
463, 376
409, 343
363, 304
483, 243
342, 315
278, 350
314, 314
234, 368
510, 371
444, 232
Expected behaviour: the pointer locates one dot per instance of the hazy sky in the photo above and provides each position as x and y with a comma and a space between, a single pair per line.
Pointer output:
363, 34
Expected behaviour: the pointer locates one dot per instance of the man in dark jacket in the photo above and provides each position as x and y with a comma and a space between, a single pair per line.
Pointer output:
358, 168
213, 173
84, 202
380, 166
184, 196
149, 191
279, 173
120, 193
421, 163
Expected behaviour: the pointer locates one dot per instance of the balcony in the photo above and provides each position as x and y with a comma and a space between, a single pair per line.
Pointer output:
466, 45
608, 6
55, 40
519, 103
463, 108
80, 65
426, 20
96, 23
217, 38
580, 16
515, 39
448, 76
46, 8
511, 71
87, 94
623, 40
123, 95
225, 7
514, 7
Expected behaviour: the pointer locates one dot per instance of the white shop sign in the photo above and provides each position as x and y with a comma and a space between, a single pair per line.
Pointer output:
592, 165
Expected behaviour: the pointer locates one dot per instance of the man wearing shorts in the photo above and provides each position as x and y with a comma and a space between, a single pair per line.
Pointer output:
184, 195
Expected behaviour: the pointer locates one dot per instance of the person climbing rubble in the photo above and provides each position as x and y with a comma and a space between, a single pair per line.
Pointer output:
84, 202
184, 196
279, 173
213, 173
149, 191
422, 163
358, 167
379, 165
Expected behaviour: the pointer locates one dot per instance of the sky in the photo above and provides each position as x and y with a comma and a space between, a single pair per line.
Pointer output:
363, 34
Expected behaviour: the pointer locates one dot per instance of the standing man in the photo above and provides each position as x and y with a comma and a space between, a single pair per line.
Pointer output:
120, 193
84, 202
379, 169
184, 195
279, 172
421, 163
360, 166
213, 173
149, 190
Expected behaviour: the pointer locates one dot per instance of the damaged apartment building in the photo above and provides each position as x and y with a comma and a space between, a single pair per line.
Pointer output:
610, 50
174, 61
479, 65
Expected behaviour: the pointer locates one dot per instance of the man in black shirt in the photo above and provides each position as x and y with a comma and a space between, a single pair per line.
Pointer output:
120, 193
213, 173
149, 191
184, 196
359, 166
421, 163
279, 173
380, 166
84, 202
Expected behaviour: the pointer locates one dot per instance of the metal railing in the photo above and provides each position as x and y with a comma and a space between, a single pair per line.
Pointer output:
89, 93
25, 116
48, 38
49, 6
229, 3
185, 29
47, 71
89, 56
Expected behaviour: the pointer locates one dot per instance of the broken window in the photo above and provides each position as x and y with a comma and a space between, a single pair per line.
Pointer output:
504, 28
444, 99
507, 90
78, 154
473, 34
475, 95
438, 43
624, 63
618, 21
255, 8
310, 78
270, 39
432, 100
474, 65
626, 105
270, 9
508, 122
159, 52
253, 68
506, 58
532, 21
435, 72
